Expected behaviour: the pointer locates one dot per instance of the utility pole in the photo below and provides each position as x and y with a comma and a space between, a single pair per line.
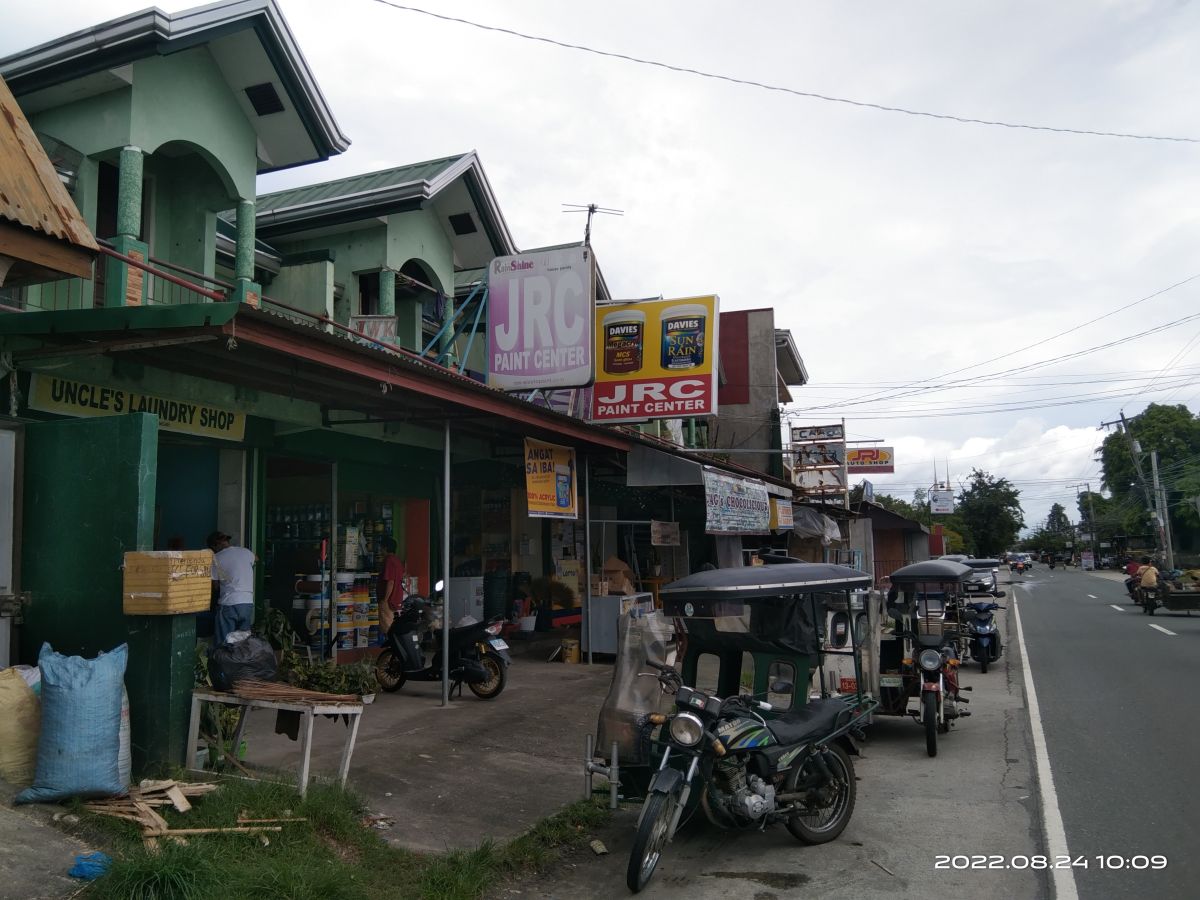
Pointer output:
1135, 452
1160, 506
1087, 486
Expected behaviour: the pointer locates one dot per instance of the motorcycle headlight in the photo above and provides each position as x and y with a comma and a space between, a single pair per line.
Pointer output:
686, 729
930, 660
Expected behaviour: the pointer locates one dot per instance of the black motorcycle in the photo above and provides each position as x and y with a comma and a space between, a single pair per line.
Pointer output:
984, 636
749, 771
478, 657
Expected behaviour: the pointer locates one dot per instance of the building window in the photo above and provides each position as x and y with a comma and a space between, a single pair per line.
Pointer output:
368, 294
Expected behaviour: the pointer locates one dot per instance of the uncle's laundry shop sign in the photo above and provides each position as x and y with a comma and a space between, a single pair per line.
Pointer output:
67, 397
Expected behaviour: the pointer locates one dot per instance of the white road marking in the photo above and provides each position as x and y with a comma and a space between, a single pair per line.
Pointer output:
1056, 834
1163, 630
1117, 608
1093, 596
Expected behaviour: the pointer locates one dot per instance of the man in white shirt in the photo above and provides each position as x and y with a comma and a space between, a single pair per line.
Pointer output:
233, 570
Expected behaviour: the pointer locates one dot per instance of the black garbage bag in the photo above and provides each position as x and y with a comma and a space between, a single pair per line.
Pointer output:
251, 659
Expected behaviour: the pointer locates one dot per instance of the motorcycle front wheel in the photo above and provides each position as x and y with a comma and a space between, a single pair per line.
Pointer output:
929, 718
824, 823
389, 672
651, 837
983, 661
490, 689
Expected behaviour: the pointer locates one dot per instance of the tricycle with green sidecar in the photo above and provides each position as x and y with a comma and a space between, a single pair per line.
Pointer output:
710, 709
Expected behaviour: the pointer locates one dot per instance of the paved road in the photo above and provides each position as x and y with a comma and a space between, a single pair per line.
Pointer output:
1119, 703
977, 797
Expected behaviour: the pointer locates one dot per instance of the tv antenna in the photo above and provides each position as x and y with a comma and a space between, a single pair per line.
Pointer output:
591, 209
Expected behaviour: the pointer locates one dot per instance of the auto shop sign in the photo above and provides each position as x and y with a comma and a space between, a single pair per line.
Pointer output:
540, 320
879, 460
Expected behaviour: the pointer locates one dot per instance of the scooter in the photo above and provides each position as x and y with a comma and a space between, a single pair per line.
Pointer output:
984, 637
478, 656
1149, 599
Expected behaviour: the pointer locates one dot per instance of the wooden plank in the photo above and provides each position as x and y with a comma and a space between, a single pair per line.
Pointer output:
240, 829
155, 824
178, 800
44, 251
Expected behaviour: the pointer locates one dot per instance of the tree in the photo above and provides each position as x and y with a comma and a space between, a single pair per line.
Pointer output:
1174, 432
990, 508
1057, 522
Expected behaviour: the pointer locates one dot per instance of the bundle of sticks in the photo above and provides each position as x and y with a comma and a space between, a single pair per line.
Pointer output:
271, 690
140, 807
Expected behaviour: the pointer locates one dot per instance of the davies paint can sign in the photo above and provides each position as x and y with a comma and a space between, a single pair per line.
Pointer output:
67, 397
540, 320
656, 359
735, 505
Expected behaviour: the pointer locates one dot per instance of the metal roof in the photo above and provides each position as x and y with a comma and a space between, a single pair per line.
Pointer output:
752, 582
31, 193
356, 186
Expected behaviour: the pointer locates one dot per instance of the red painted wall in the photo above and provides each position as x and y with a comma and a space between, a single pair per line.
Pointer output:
734, 344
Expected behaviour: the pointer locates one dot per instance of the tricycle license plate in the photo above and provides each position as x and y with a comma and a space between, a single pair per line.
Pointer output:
891, 681
498, 644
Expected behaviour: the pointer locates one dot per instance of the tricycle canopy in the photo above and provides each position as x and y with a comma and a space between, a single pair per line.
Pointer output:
930, 571
751, 583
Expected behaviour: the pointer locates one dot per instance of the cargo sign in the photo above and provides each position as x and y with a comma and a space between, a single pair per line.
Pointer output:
66, 397
656, 359
871, 459
819, 433
540, 320
735, 505
550, 487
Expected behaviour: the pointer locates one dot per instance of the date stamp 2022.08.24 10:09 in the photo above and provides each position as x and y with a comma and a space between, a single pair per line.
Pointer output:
1108, 861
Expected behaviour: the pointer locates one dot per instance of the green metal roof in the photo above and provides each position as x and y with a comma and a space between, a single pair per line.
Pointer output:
386, 179
118, 318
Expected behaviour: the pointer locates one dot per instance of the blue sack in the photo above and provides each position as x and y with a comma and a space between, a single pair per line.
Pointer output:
80, 740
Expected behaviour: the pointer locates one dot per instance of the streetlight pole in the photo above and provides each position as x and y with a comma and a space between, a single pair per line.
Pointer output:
1087, 486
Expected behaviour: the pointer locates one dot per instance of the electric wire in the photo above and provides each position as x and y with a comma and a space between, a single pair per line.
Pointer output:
811, 95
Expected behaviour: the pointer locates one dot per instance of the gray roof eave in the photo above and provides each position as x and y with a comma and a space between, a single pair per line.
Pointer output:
139, 34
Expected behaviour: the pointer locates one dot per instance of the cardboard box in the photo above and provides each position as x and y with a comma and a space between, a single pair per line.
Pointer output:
167, 582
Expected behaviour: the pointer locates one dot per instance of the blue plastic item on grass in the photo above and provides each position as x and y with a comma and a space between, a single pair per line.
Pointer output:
80, 741
90, 866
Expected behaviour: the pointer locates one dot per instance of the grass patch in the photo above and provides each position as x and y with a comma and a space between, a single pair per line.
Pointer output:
330, 856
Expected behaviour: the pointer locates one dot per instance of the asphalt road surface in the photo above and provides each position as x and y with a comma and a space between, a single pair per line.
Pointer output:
1119, 703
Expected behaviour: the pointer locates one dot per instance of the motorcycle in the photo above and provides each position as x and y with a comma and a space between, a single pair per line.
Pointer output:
1149, 599
984, 636
478, 656
1018, 567
749, 771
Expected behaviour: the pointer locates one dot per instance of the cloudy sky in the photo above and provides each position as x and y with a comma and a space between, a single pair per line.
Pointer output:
898, 249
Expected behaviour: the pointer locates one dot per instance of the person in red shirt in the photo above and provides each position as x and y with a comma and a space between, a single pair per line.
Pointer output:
1131, 567
391, 586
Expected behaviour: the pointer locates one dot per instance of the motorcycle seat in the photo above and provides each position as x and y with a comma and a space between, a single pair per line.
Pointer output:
816, 719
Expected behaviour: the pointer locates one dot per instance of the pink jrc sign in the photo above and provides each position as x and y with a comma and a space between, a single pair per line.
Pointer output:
540, 319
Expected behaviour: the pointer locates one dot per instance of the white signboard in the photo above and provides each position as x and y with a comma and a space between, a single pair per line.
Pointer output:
820, 481
818, 433
941, 503
1087, 562
736, 505
540, 320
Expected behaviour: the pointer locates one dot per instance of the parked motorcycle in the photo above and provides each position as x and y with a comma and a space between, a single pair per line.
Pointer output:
750, 771
478, 656
985, 642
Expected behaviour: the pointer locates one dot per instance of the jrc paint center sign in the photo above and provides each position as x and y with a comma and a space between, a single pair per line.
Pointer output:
656, 359
67, 397
540, 320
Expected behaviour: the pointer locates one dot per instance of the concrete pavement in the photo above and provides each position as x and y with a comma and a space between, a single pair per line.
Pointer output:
976, 799
35, 854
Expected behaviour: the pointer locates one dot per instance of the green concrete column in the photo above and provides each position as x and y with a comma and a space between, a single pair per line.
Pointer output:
387, 292
129, 193
245, 288
447, 347
243, 264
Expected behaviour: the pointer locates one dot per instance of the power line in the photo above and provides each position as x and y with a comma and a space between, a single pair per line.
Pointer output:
1071, 330
811, 95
